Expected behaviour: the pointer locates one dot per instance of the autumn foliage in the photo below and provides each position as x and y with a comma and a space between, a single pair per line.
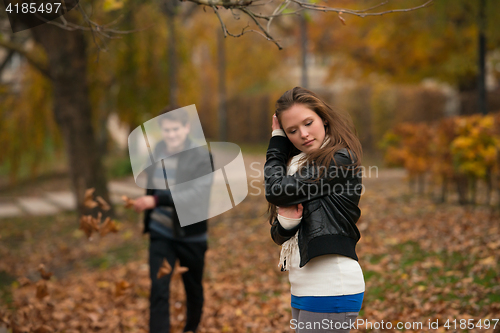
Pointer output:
461, 150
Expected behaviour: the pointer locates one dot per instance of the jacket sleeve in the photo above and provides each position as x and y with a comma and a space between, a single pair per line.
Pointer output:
284, 190
280, 234
201, 180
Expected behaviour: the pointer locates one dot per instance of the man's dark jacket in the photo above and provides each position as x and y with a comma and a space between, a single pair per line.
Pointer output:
328, 224
192, 164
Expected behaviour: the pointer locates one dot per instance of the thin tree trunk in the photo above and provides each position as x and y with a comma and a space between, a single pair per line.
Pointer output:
221, 57
482, 101
170, 10
67, 65
421, 184
303, 48
489, 185
473, 189
462, 189
444, 189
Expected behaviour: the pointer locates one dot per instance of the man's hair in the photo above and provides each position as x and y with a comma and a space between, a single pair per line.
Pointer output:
178, 114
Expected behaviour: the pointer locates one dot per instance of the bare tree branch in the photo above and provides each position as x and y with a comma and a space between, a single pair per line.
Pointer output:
245, 5
267, 35
35, 62
360, 13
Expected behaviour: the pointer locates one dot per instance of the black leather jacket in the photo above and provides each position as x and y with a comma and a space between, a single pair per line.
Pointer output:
192, 164
328, 224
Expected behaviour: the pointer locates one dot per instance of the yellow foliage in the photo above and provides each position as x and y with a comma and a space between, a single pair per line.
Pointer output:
110, 5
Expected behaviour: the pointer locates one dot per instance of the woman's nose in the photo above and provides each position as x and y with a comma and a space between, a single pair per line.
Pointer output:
304, 133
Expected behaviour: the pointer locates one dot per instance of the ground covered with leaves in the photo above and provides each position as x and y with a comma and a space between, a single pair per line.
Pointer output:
422, 263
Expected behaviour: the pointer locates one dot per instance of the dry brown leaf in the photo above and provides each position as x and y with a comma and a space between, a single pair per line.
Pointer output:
20, 329
89, 224
45, 275
85, 226
129, 203
102, 203
41, 289
107, 227
23, 281
88, 201
93, 222
341, 18
165, 269
44, 329
121, 287
180, 269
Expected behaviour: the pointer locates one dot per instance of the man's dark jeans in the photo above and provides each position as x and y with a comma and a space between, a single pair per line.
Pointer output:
190, 255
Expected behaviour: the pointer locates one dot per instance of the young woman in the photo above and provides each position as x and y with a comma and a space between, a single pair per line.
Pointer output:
313, 184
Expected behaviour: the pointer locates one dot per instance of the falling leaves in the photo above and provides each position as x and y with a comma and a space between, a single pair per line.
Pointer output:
107, 227
420, 261
129, 203
89, 224
102, 203
165, 269
88, 200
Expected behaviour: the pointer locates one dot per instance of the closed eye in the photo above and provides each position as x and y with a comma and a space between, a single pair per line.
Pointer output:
308, 124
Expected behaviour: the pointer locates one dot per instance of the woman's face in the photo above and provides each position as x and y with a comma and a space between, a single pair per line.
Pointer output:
304, 128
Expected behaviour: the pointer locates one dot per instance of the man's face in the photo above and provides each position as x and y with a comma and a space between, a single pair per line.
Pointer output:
174, 133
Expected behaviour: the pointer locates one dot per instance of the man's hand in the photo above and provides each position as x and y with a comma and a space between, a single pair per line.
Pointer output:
143, 203
276, 124
292, 212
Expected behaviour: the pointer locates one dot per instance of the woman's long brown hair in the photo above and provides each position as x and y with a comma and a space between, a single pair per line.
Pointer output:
339, 128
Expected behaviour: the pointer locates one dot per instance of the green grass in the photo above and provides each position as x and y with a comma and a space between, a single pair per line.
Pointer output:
435, 278
117, 255
5, 291
118, 166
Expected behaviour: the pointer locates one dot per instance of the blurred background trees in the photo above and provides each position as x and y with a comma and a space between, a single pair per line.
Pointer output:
418, 66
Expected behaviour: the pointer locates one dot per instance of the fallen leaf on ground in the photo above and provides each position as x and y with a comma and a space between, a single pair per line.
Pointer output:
45, 275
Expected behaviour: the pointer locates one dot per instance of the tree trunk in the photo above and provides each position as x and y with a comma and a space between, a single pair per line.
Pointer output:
67, 66
462, 189
221, 57
303, 51
444, 188
170, 11
481, 55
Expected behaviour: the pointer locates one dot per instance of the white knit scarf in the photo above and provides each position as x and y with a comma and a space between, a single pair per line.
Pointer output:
292, 244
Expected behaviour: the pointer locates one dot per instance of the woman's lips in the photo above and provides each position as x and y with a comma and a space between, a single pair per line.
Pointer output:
308, 143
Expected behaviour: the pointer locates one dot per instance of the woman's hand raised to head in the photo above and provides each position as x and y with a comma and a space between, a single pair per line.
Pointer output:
292, 212
276, 124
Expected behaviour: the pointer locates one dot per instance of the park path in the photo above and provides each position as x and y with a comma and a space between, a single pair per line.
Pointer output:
51, 203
